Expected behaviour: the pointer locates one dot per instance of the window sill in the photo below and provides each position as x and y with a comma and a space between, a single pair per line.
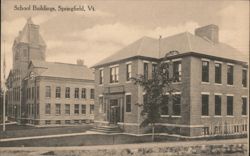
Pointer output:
206, 83
230, 85
128, 81
230, 116
177, 82
114, 83
176, 116
164, 116
217, 116
243, 115
218, 84
244, 87
128, 112
205, 116
100, 85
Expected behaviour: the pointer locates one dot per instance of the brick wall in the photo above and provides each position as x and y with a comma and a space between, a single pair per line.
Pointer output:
63, 83
197, 87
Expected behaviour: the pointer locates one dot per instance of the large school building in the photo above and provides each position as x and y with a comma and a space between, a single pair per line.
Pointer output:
211, 79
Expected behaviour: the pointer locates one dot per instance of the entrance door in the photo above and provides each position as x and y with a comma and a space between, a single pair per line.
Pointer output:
114, 111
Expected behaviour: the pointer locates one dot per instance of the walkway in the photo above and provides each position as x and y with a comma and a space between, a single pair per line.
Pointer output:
130, 146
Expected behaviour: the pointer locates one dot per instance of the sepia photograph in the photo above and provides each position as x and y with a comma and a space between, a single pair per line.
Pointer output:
124, 78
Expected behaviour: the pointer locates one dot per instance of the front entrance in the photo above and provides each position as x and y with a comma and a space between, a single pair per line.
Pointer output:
115, 111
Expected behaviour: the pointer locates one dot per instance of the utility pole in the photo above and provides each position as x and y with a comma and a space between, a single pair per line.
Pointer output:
4, 65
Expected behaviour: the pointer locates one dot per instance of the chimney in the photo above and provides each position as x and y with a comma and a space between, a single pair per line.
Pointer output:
209, 32
80, 62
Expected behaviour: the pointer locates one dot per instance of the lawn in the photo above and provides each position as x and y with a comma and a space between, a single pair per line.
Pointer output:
13, 131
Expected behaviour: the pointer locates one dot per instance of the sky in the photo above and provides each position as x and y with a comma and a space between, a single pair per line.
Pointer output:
95, 35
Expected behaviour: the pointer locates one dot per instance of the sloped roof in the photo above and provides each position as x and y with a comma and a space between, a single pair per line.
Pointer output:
183, 43
63, 70
24, 34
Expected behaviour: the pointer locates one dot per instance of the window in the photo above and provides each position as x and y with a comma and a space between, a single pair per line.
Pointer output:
47, 91
244, 106
205, 71
58, 121
145, 70
230, 70
37, 109
58, 92
67, 92
204, 108
76, 92
144, 99
47, 108
17, 56
128, 103
76, 111
28, 93
177, 71
114, 74
164, 110
217, 73
101, 76
67, 121
154, 67
37, 92
76, 121
229, 105
58, 109
217, 104
83, 109
101, 104
92, 93
67, 109
177, 104
91, 111
33, 93
129, 72
244, 78
25, 52
83, 95
47, 122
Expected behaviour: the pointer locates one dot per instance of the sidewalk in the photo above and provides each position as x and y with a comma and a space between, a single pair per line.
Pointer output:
49, 136
9, 123
130, 146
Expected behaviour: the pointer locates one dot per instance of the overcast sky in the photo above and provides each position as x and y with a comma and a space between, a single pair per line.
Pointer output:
93, 36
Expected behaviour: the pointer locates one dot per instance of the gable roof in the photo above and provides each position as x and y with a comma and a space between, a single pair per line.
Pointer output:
62, 70
183, 43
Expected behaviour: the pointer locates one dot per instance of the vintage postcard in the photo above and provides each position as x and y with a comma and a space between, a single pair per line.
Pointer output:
91, 77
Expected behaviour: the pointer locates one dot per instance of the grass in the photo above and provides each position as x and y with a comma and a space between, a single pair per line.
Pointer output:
13, 131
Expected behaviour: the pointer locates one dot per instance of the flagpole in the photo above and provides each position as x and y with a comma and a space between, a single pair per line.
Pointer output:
4, 85
159, 46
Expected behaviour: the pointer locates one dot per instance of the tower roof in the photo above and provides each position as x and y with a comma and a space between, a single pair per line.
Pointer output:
29, 31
